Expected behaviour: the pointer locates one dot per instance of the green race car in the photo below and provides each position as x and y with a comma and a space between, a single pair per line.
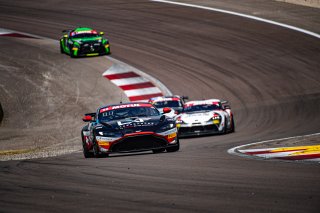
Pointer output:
83, 41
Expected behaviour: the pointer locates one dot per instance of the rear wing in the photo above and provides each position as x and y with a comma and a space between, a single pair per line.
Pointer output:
225, 104
184, 97
88, 117
66, 31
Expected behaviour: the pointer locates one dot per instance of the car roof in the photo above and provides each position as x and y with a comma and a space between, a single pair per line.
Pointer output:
202, 102
78, 29
164, 98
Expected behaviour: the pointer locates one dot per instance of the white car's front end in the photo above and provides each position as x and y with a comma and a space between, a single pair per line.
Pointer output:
201, 123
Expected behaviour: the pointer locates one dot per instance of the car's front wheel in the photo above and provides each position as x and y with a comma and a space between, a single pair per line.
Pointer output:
174, 148
97, 153
61, 48
86, 152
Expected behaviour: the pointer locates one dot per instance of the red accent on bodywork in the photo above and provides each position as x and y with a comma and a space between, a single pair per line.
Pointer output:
122, 75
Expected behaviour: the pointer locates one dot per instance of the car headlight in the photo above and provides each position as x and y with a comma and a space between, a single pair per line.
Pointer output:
216, 119
110, 134
167, 127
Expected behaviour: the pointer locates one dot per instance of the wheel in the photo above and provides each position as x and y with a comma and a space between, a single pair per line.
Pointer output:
71, 53
225, 129
61, 48
158, 150
108, 52
174, 148
85, 150
97, 153
232, 125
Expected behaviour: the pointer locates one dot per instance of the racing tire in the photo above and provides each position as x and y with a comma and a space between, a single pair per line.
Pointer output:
155, 151
72, 55
225, 129
61, 48
86, 152
174, 148
97, 153
232, 125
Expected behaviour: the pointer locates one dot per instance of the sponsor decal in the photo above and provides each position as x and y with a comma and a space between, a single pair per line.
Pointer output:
105, 139
84, 32
169, 132
124, 106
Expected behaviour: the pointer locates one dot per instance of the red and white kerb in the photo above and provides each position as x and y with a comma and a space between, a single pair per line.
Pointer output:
136, 87
8, 33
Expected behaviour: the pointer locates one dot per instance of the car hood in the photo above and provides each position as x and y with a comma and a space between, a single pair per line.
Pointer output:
135, 125
197, 117
95, 39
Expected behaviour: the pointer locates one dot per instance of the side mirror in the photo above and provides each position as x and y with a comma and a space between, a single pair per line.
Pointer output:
166, 110
87, 118
101, 33
65, 36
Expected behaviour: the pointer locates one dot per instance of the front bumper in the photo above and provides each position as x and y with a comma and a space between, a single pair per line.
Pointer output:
92, 50
136, 142
197, 130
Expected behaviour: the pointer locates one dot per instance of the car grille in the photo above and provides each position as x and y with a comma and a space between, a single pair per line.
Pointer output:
92, 47
139, 143
197, 129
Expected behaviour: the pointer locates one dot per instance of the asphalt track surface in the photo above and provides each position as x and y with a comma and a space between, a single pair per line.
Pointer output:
269, 74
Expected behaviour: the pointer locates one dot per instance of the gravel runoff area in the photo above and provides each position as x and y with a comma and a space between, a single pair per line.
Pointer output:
43, 104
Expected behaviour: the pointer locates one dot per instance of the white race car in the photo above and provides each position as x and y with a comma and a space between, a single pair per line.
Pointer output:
205, 117
175, 102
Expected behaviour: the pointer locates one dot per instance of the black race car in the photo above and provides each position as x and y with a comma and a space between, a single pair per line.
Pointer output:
129, 127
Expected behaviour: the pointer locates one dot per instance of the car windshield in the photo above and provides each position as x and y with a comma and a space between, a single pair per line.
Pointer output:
202, 107
131, 112
85, 35
162, 104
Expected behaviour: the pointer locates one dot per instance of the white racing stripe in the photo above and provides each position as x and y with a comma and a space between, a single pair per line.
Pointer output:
129, 81
145, 91
242, 15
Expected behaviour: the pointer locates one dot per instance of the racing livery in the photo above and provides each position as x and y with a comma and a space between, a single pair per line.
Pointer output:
84, 42
205, 117
129, 127
175, 102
